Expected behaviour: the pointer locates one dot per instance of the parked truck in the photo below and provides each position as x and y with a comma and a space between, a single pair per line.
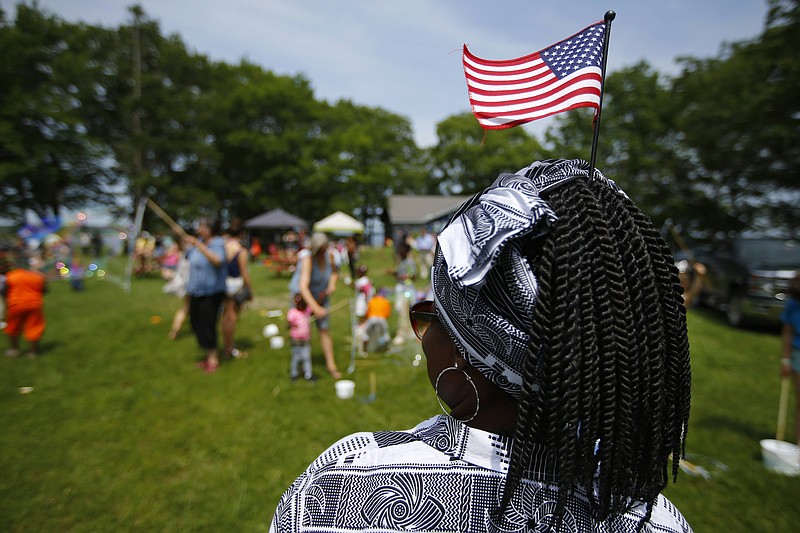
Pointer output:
747, 277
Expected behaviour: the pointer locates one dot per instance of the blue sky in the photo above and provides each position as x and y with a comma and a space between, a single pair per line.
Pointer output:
404, 55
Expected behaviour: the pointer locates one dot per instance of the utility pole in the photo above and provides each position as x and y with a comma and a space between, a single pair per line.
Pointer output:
137, 160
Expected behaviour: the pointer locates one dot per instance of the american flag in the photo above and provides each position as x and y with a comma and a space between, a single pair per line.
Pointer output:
564, 76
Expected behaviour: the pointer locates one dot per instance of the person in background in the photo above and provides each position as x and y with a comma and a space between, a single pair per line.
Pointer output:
404, 293
23, 292
379, 305
364, 291
556, 343
3, 270
206, 288
97, 243
170, 259
238, 289
143, 253
790, 346
85, 242
316, 284
374, 331
425, 243
159, 249
177, 286
255, 248
402, 237
692, 277
351, 245
299, 319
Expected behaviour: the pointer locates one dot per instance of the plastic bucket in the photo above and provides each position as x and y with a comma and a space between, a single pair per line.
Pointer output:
276, 343
345, 388
270, 330
780, 456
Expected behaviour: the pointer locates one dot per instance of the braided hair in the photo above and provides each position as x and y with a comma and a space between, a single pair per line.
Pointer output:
607, 378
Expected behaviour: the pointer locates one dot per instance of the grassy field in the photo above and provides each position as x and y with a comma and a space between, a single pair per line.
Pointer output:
122, 433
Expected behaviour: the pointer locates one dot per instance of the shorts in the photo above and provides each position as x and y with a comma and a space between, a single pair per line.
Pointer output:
233, 285
28, 322
324, 323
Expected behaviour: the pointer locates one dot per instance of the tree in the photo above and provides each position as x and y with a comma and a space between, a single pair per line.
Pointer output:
641, 148
48, 157
151, 105
467, 159
741, 120
263, 129
364, 155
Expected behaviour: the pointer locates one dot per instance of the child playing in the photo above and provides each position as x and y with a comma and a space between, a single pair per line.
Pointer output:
24, 296
376, 326
404, 294
790, 345
364, 293
299, 318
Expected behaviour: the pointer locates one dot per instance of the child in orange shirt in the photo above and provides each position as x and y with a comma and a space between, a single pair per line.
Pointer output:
24, 296
374, 331
378, 306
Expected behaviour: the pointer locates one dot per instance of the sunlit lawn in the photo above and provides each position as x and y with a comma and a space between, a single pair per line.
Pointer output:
122, 433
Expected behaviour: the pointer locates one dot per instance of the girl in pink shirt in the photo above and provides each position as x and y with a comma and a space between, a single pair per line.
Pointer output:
299, 318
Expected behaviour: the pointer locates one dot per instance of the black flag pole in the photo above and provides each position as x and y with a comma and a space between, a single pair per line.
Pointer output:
609, 17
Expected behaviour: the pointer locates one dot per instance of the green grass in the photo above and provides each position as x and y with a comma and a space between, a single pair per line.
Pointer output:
123, 433
735, 396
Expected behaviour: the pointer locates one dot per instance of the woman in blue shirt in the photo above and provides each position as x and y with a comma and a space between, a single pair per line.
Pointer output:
318, 275
206, 288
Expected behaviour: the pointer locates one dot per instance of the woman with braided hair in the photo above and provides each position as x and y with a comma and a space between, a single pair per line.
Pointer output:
557, 339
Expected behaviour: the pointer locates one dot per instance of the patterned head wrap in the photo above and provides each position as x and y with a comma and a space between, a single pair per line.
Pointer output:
484, 288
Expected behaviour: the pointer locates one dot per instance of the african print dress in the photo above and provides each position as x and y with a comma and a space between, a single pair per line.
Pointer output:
439, 476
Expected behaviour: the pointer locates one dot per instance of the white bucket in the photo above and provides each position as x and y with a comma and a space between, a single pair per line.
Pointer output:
782, 457
276, 343
345, 388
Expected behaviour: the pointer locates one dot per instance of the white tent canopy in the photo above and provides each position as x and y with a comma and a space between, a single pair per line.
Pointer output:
339, 223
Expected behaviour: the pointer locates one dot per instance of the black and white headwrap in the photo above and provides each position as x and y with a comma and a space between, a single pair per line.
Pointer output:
484, 288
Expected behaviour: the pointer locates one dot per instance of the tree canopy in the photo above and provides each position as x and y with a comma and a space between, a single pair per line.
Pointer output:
90, 113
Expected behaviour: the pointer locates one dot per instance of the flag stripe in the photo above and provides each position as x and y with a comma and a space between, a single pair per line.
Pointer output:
501, 64
564, 76
483, 93
511, 86
508, 121
481, 65
506, 80
585, 95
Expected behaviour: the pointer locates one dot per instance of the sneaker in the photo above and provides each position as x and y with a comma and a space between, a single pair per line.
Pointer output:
11, 352
294, 377
311, 379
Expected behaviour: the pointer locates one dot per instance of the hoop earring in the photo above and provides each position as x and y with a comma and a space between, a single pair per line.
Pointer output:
474, 387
